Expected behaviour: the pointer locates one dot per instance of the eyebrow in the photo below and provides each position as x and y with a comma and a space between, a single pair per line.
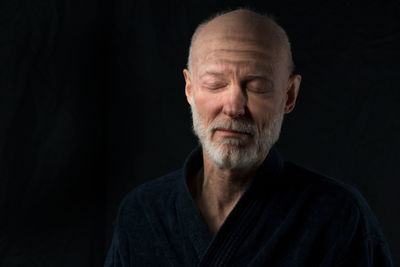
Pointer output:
255, 75
212, 73
220, 74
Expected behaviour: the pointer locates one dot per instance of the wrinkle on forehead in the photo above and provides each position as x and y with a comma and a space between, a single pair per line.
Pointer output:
236, 66
242, 61
235, 55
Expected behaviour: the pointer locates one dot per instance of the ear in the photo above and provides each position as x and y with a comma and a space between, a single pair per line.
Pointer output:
188, 86
292, 92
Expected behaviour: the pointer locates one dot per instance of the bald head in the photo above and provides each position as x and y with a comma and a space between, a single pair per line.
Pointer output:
241, 25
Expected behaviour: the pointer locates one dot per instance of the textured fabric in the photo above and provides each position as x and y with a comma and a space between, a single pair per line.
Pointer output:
288, 216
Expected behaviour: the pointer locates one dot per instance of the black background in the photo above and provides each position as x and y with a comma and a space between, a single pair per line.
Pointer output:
92, 104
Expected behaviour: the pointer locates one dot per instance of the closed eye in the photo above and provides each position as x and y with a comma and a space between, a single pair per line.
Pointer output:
259, 86
258, 90
214, 86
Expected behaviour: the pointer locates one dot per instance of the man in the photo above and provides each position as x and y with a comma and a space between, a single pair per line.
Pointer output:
235, 202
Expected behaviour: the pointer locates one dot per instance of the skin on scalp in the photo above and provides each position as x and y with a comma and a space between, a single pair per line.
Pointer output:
260, 30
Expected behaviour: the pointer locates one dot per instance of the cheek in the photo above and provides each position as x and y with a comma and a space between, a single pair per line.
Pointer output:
264, 109
208, 106
259, 107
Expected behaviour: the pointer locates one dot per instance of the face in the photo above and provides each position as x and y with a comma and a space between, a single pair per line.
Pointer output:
238, 92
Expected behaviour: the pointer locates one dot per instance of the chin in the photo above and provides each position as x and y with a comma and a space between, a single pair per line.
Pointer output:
232, 154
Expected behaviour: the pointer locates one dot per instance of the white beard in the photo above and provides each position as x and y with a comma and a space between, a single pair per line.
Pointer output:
233, 153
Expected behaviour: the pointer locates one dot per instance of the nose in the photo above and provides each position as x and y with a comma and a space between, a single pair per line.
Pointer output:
235, 101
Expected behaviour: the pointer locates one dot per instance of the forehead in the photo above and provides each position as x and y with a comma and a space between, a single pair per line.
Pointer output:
235, 58
223, 44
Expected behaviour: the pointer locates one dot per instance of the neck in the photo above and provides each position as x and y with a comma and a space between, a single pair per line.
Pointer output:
216, 191
224, 186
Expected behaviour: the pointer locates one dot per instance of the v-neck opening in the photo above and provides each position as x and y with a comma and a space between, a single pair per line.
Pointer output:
206, 245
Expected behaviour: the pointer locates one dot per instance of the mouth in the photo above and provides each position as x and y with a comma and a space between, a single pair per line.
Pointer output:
231, 132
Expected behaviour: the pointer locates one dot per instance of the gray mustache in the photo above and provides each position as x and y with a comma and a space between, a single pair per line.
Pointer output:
238, 126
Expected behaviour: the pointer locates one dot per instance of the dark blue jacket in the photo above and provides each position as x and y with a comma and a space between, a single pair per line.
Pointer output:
288, 216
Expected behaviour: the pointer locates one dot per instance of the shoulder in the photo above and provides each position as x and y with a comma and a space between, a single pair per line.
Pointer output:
314, 181
358, 237
153, 196
157, 187
331, 195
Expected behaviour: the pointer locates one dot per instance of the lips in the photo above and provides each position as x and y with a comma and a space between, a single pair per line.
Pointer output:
230, 131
